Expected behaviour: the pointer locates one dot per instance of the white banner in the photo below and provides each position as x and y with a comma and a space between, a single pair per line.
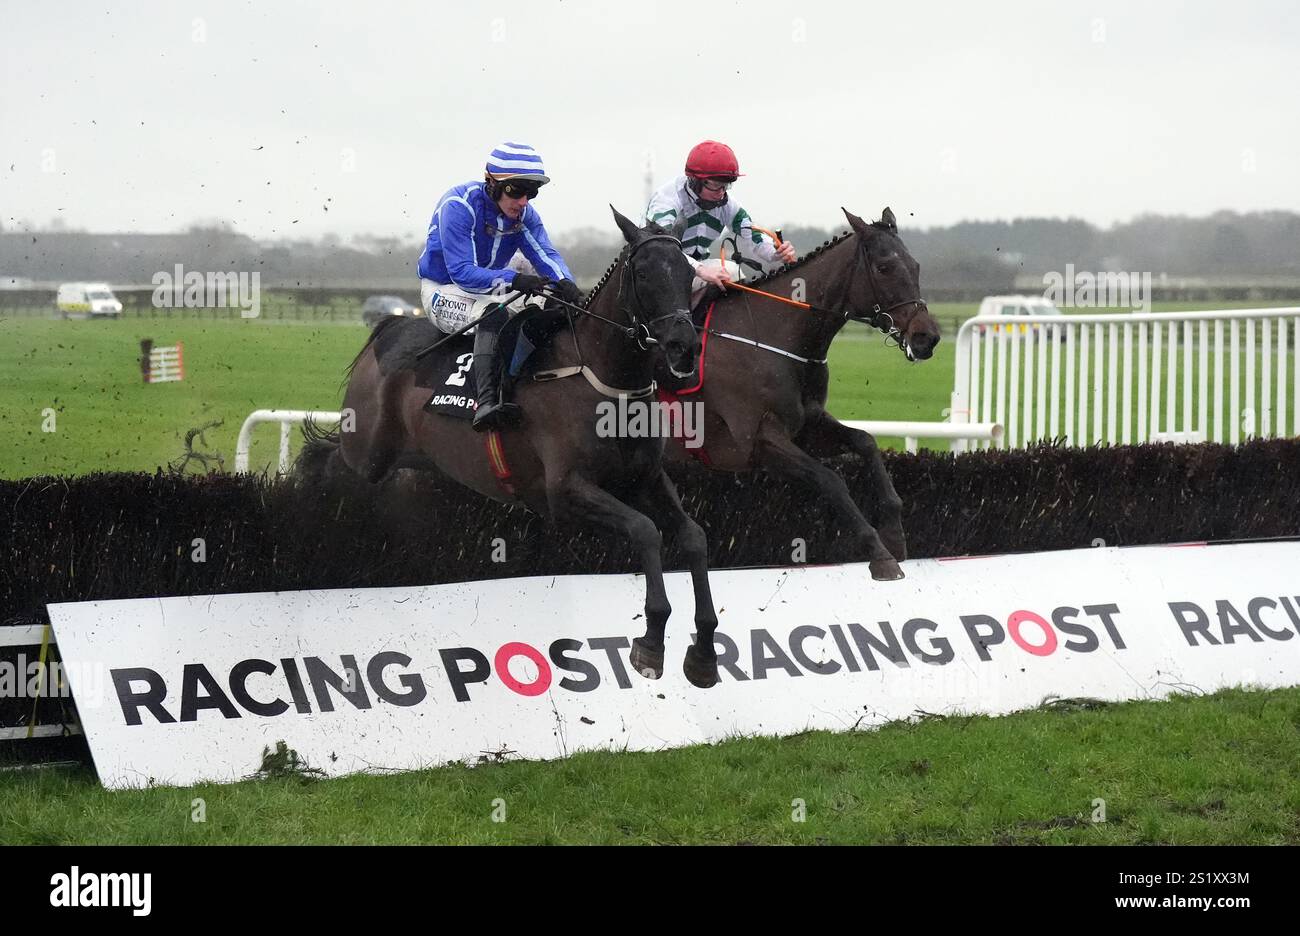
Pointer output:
181, 690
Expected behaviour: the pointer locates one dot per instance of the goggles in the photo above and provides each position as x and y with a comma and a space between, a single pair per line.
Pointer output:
527, 190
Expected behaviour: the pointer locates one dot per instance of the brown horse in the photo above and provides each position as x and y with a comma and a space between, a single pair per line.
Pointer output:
558, 463
764, 399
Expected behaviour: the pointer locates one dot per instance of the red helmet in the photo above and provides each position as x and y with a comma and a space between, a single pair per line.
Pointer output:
712, 159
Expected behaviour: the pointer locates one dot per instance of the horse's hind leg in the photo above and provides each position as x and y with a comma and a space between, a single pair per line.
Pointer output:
660, 499
580, 500
889, 506
373, 443
776, 451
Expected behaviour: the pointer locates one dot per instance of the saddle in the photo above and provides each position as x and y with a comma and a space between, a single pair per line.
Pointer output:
451, 365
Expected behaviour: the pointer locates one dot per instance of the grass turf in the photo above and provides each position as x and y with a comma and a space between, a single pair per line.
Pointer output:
1189, 770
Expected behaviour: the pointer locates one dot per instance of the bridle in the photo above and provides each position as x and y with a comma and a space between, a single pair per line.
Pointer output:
634, 329
878, 318
641, 329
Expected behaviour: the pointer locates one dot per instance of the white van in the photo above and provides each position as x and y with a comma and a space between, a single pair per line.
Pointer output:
1028, 310
92, 299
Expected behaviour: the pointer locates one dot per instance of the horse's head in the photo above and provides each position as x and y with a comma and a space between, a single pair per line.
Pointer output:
655, 290
892, 284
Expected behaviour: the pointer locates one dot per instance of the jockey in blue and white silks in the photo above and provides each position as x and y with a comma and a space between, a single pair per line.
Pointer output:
476, 230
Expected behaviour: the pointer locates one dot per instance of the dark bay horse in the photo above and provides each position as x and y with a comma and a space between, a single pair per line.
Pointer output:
766, 377
559, 465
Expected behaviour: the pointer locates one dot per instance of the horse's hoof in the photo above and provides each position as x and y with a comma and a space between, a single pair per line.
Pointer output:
647, 660
700, 670
885, 570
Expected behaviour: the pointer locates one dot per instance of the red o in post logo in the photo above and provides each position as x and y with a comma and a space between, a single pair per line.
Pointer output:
543, 681
1047, 648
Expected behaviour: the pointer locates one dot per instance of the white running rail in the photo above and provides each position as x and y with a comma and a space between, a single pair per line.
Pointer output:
1128, 378
286, 419
958, 433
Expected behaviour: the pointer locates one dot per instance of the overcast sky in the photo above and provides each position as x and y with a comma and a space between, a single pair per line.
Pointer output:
149, 116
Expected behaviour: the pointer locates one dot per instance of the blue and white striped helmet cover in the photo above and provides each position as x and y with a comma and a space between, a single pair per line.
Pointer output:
516, 161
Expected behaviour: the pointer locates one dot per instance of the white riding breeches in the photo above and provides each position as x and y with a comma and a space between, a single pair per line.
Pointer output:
451, 308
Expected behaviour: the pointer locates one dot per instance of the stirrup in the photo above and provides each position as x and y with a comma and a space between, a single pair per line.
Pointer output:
496, 415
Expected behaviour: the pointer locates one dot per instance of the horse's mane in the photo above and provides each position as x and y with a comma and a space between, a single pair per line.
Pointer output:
605, 277
790, 267
816, 252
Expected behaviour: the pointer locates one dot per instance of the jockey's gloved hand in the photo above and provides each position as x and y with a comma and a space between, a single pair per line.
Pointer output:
527, 282
566, 290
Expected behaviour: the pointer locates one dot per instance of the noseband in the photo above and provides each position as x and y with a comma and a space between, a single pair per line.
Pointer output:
879, 318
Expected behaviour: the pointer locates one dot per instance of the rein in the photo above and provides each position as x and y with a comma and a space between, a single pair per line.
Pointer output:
634, 329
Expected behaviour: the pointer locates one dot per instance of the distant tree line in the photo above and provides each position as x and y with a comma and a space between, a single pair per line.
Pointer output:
985, 255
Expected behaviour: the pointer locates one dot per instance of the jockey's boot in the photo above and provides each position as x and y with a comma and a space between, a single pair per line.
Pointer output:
492, 411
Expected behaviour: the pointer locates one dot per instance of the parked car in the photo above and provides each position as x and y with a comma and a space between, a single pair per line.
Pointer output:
1023, 312
377, 308
94, 300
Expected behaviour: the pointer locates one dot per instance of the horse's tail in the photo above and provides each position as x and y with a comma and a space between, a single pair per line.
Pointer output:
319, 446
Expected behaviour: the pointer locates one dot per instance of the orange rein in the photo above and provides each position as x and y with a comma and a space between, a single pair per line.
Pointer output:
796, 304
722, 255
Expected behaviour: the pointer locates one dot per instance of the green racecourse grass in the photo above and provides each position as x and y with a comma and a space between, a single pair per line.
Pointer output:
1213, 770
106, 418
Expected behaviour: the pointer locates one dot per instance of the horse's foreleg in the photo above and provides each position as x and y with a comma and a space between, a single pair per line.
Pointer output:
661, 501
775, 451
578, 499
889, 506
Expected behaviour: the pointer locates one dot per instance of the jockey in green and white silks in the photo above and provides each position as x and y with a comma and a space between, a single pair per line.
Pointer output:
698, 205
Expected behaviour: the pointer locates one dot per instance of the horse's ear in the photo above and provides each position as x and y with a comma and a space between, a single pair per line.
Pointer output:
860, 227
630, 231
887, 219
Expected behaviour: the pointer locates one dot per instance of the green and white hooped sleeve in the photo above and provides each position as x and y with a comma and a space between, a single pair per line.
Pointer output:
754, 243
